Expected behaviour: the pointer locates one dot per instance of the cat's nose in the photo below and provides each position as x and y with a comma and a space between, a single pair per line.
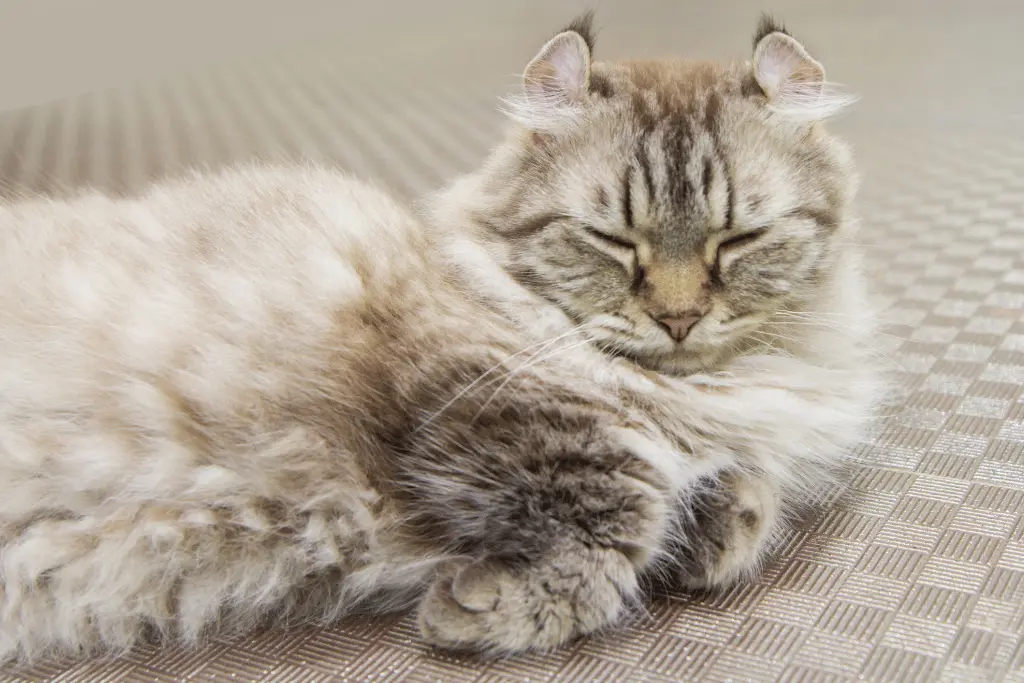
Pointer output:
678, 326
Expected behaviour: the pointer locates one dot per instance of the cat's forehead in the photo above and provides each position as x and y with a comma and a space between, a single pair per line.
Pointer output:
655, 92
659, 121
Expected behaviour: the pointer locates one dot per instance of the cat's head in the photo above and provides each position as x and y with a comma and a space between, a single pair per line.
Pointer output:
670, 207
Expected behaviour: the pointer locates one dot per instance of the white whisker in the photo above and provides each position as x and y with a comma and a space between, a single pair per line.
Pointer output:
469, 387
530, 363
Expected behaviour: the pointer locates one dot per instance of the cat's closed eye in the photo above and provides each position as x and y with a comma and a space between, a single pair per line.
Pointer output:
614, 241
735, 244
627, 249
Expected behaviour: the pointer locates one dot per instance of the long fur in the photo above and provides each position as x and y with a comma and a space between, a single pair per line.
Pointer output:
274, 394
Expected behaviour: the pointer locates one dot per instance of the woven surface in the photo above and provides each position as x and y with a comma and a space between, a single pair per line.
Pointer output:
919, 575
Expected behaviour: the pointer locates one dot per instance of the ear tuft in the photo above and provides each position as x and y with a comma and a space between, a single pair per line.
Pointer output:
768, 25
584, 25
792, 80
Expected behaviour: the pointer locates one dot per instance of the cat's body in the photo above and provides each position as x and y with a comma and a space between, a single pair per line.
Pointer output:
273, 393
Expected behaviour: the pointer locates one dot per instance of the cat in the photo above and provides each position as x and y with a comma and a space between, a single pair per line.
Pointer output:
627, 348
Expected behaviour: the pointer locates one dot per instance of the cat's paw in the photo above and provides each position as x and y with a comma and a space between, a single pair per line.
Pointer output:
730, 532
491, 607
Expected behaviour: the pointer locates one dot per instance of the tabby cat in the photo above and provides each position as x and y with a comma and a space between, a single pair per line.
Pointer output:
627, 348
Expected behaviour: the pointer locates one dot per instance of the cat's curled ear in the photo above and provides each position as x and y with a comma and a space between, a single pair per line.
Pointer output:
556, 82
792, 80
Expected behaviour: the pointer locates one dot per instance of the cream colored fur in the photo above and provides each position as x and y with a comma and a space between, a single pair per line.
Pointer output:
274, 394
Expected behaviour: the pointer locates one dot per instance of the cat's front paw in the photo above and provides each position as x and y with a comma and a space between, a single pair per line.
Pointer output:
728, 530
493, 607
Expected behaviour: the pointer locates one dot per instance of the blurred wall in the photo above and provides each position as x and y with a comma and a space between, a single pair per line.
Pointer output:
53, 48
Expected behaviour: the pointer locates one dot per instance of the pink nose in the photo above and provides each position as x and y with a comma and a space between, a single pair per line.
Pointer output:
678, 326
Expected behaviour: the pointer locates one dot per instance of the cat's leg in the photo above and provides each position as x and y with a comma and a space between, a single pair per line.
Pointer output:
727, 526
783, 442
556, 524
184, 571
503, 607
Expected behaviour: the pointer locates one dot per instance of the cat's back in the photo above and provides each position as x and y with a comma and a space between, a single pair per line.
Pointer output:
253, 221
204, 275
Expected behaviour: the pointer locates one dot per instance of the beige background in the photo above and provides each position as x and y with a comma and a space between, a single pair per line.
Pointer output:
918, 576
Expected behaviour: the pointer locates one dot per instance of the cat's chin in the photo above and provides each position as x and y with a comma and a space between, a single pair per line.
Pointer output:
681, 363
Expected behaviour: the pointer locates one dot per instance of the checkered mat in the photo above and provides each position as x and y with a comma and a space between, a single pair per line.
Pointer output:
919, 575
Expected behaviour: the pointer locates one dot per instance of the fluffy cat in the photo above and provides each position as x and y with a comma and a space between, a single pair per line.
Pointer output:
627, 347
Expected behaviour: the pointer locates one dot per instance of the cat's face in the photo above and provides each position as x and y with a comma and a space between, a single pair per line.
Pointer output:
671, 208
